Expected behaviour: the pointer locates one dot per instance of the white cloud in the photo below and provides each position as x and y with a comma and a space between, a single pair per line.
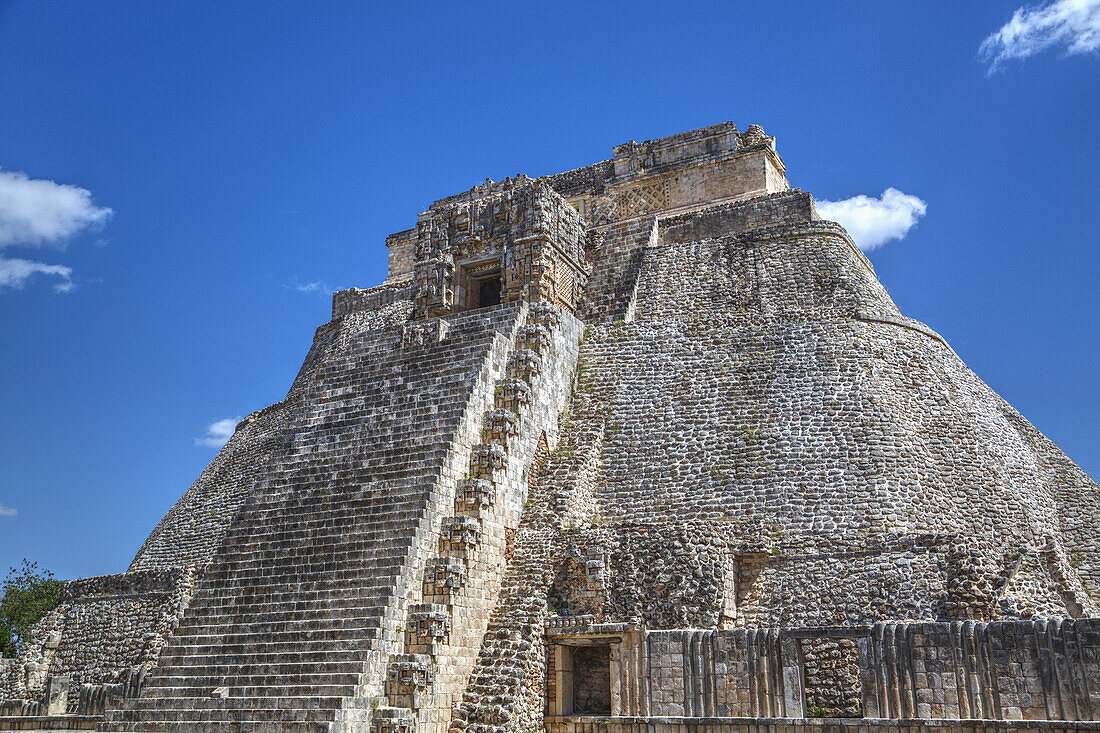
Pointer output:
41, 213
874, 222
218, 432
316, 286
1074, 24
37, 212
14, 273
7, 511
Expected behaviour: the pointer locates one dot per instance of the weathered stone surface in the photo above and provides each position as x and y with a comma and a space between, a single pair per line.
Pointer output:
639, 446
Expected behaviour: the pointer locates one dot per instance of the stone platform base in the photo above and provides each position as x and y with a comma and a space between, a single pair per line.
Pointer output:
610, 724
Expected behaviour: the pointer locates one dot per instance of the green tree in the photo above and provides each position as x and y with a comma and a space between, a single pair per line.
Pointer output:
29, 594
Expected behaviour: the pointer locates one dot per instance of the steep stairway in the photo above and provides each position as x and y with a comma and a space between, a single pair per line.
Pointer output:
284, 621
469, 549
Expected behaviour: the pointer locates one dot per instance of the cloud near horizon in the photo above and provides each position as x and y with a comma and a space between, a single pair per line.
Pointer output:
218, 432
41, 213
315, 287
873, 222
7, 511
1074, 24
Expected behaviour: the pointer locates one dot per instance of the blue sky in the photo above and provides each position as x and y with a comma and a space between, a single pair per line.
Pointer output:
253, 156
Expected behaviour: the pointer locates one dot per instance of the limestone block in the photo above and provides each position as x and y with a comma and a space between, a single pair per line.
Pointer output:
57, 694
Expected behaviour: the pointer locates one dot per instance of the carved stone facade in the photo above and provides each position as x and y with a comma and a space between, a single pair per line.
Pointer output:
520, 234
641, 446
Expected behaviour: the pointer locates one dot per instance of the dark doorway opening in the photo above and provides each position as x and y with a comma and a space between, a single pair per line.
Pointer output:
488, 293
592, 680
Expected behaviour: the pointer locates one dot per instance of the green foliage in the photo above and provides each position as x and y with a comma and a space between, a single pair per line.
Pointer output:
817, 711
29, 594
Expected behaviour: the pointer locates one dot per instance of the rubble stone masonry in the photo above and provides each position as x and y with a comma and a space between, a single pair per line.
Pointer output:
642, 446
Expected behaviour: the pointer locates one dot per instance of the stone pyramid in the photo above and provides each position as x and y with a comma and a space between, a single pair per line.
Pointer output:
642, 446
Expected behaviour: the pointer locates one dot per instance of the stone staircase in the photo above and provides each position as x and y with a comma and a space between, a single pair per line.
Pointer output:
285, 622
469, 544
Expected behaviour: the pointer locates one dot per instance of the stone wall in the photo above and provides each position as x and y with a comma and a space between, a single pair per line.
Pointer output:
831, 671
748, 393
757, 441
583, 724
402, 255
1041, 670
101, 630
1009, 670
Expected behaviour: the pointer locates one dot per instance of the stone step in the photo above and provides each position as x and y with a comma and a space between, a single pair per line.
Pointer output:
217, 625
247, 642
49, 723
333, 505
288, 574
351, 526
273, 663
337, 551
290, 535
334, 549
230, 645
220, 623
279, 690
231, 604
260, 587
250, 680
292, 605
307, 707
288, 593
273, 522
319, 610
280, 612
363, 573
267, 605
239, 726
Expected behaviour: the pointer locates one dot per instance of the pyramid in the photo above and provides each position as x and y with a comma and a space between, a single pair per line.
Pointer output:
641, 446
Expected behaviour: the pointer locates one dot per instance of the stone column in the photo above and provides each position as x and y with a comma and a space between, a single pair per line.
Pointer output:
57, 694
794, 693
562, 704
